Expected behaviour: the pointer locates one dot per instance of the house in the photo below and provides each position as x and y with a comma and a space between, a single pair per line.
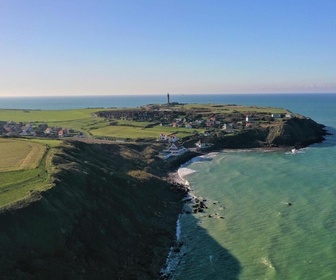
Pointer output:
209, 123
289, 115
188, 125
63, 132
172, 138
202, 145
48, 130
276, 116
177, 124
206, 133
249, 118
176, 150
26, 129
228, 127
163, 137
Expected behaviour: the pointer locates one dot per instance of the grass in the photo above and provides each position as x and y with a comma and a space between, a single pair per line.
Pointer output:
134, 132
25, 166
45, 115
216, 108
18, 155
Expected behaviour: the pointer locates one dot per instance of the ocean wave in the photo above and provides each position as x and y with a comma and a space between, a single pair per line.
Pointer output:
184, 171
178, 229
175, 254
267, 262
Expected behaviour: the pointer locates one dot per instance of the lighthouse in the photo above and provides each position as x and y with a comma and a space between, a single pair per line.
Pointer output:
168, 99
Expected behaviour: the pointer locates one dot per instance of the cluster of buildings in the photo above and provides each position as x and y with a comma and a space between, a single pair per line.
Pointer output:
211, 125
16, 129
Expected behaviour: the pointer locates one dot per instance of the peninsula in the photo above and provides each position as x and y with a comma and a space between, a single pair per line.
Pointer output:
97, 204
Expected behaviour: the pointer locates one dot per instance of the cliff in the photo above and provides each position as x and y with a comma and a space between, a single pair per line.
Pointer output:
298, 131
108, 216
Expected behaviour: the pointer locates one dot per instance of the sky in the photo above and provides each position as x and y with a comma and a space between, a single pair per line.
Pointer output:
115, 47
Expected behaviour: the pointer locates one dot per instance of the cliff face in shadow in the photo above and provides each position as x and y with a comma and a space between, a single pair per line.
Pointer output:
108, 216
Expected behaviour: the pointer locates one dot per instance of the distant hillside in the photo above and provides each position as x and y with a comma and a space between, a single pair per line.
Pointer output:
108, 216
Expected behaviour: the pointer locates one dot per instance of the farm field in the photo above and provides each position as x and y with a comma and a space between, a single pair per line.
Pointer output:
45, 115
18, 155
24, 167
140, 131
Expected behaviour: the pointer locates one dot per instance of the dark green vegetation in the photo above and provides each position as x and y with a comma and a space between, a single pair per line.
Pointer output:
108, 216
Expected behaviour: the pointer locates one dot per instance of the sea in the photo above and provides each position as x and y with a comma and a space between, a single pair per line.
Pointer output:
271, 213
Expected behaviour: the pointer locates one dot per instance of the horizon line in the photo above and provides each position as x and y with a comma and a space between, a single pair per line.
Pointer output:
159, 94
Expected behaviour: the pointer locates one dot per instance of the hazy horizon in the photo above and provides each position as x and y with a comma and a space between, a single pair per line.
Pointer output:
146, 47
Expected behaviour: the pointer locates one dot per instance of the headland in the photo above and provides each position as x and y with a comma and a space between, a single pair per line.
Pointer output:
111, 210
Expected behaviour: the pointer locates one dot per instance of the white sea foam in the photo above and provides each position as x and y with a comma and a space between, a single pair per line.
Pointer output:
175, 254
184, 171
202, 158
265, 261
178, 229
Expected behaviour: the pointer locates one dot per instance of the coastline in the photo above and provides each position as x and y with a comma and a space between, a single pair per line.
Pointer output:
194, 204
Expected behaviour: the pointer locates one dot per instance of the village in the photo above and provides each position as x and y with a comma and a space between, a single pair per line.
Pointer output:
213, 121
203, 123
20, 129
213, 127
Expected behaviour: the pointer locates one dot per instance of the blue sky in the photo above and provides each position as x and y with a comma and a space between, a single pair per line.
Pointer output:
108, 47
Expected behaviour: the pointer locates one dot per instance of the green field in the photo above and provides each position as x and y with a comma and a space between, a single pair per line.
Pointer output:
18, 155
133, 130
25, 166
218, 109
33, 116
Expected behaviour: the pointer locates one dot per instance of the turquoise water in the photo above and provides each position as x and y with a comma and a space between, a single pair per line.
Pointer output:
260, 236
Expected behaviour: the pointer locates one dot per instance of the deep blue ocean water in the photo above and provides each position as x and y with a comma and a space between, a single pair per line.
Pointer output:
261, 236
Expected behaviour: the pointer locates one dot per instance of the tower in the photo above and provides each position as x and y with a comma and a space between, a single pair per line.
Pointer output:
168, 99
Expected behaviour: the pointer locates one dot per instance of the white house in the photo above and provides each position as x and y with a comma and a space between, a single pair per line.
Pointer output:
276, 116
48, 130
200, 144
172, 138
163, 137
249, 118
176, 150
